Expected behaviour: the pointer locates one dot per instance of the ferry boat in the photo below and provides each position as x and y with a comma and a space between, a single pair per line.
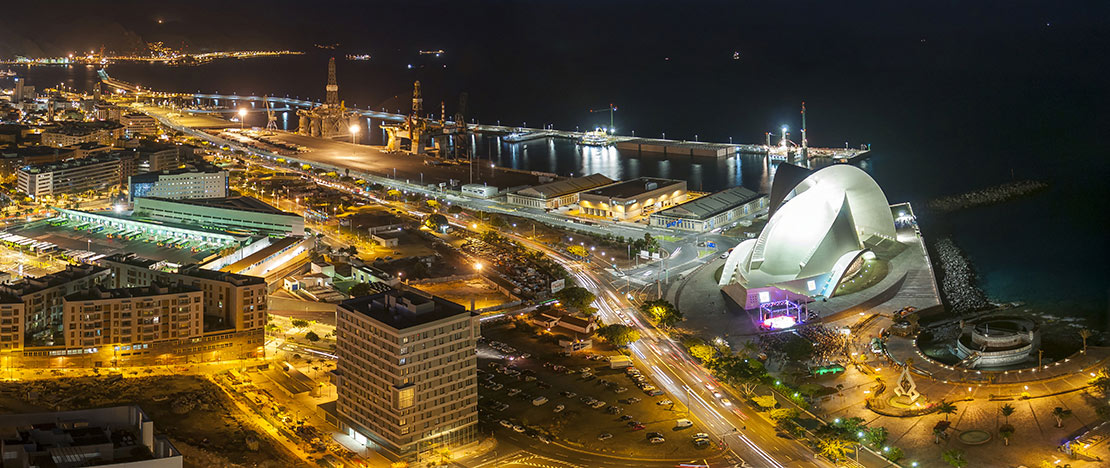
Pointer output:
6, 73
358, 57
595, 138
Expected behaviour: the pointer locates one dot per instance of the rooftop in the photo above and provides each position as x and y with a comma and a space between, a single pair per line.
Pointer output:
400, 309
186, 270
712, 205
565, 186
154, 176
83, 128
27, 286
73, 163
99, 293
103, 436
240, 203
632, 188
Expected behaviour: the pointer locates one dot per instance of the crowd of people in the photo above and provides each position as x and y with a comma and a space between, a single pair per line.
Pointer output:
958, 283
828, 342
987, 196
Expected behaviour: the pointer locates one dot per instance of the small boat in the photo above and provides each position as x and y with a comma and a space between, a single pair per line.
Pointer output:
595, 138
5, 73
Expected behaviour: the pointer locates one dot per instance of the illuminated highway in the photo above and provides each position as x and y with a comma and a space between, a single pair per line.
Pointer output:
672, 369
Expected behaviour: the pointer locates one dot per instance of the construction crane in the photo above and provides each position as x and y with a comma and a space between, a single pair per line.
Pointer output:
612, 108
271, 118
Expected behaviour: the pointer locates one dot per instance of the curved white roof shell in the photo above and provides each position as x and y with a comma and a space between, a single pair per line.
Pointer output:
830, 213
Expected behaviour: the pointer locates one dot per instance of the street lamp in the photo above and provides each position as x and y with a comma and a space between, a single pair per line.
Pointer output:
242, 117
354, 131
478, 266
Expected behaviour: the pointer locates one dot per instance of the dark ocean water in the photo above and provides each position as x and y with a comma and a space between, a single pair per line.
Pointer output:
944, 114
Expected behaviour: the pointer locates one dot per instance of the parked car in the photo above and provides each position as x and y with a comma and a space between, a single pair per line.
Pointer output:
506, 424
558, 408
683, 423
664, 402
605, 436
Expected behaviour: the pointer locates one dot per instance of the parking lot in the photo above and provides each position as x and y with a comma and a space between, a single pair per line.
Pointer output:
528, 386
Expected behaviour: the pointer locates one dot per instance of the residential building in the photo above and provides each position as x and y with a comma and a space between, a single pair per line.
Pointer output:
13, 158
180, 184
118, 436
85, 150
75, 133
711, 211
137, 123
408, 371
555, 195
99, 317
31, 308
231, 301
73, 176
233, 213
631, 199
108, 112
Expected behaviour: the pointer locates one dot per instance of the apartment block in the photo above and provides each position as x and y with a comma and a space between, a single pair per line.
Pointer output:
407, 368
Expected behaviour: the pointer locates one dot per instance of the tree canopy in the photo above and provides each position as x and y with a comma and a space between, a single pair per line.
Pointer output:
619, 335
576, 297
664, 313
359, 290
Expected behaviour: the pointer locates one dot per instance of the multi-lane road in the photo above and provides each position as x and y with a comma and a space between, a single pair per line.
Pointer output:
748, 436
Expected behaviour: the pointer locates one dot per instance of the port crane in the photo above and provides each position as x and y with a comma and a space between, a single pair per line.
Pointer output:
612, 108
271, 118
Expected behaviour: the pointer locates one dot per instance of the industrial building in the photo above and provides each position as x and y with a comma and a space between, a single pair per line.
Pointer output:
407, 368
73, 176
120, 436
711, 211
555, 195
628, 200
123, 223
479, 190
244, 214
180, 184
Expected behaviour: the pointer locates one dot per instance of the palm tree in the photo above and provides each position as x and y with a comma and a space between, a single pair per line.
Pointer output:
955, 457
833, 448
1060, 413
946, 408
1085, 333
1006, 411
1006, 431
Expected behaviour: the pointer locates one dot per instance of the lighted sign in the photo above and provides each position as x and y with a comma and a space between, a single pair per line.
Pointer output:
764, 296
782, 321
811, 285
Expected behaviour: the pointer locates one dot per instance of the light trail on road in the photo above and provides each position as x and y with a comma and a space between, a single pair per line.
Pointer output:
673, 370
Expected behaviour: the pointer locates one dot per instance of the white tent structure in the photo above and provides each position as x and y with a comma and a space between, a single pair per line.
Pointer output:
821, 226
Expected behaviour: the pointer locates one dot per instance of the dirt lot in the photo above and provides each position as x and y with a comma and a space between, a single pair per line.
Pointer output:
577, 425
212, 433
484, 293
